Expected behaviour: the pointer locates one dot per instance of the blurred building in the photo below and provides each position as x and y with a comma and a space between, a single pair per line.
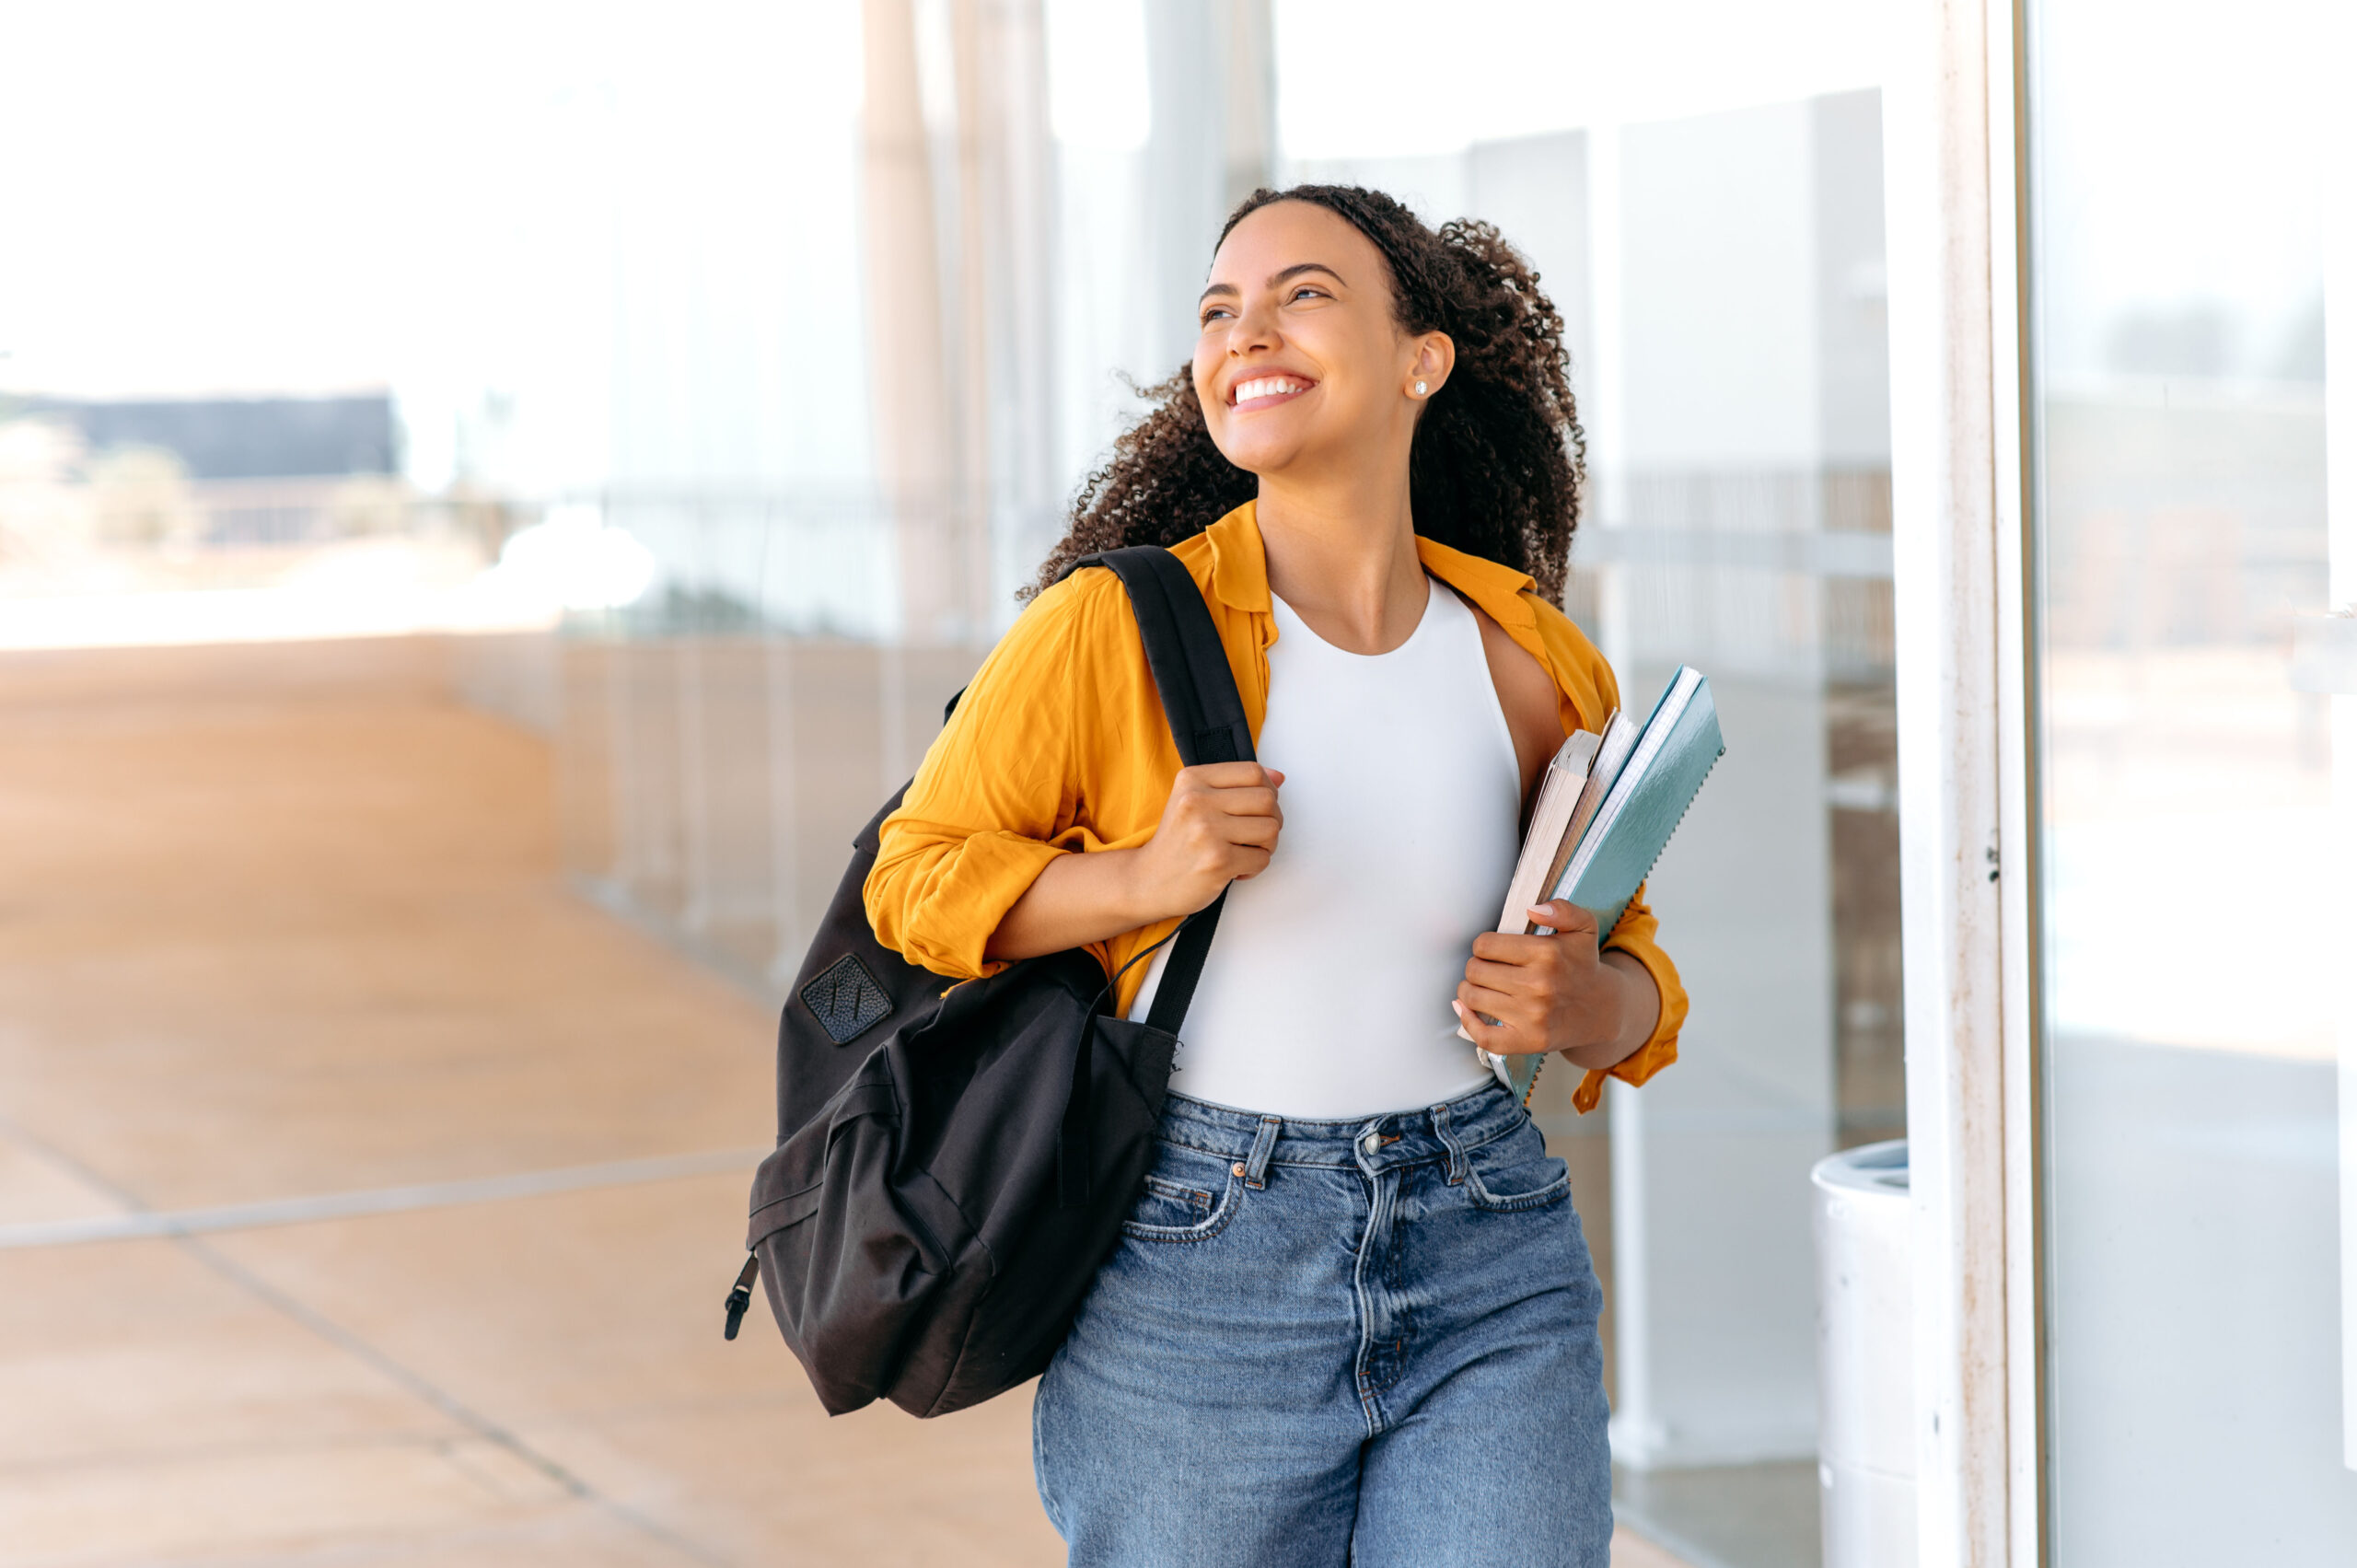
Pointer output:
307, 437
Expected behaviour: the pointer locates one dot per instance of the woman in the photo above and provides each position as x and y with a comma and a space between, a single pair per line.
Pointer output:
1351, 1319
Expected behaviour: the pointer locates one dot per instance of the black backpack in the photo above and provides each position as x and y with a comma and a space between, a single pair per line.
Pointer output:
955, 1161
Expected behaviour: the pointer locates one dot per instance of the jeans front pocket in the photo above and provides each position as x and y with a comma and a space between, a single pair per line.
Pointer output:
1189, 1195
1516, 1172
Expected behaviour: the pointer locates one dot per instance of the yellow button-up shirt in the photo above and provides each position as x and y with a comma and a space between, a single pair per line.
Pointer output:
1059, 746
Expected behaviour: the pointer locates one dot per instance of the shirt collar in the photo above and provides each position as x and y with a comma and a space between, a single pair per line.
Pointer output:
1240, 572
1239, 564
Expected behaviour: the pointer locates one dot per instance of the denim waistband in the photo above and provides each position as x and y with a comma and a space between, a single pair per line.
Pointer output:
1395, 1138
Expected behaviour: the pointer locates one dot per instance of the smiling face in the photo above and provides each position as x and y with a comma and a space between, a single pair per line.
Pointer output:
1301, 361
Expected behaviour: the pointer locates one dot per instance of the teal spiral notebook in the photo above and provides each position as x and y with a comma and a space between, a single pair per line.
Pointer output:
1641, 808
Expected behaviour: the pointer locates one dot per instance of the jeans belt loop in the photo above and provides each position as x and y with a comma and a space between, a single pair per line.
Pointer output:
1448, 1141
1256, 1170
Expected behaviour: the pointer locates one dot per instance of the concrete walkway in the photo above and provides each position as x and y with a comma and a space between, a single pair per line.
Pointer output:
280, 927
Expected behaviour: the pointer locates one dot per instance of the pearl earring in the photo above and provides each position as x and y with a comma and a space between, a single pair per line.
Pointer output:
1420, 389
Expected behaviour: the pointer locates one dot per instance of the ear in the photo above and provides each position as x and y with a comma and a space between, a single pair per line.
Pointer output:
1432, 358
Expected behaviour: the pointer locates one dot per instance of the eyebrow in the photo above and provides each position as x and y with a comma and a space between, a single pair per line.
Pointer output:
1275, 278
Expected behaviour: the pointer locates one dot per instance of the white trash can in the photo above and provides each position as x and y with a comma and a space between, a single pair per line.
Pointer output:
1865, 1358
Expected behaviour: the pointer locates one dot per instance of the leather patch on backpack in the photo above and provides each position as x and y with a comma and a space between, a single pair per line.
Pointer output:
845, 999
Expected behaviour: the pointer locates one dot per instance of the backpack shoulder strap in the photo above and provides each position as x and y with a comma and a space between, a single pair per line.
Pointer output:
1206, 717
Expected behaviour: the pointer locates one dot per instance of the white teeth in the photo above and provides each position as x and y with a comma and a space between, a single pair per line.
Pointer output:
1267, 387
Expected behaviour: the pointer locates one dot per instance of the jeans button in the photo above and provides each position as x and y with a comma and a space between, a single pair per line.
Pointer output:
1372, 1141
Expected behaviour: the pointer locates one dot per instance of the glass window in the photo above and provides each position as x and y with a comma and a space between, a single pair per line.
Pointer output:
1713, 235
2193, 933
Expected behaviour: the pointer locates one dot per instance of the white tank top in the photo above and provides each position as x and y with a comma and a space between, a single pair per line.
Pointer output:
1326, 993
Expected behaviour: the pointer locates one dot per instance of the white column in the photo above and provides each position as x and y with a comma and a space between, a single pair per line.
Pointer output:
1211, 72
786, 933
1016, 322
1603, 398
1965, 849
1185, 168
2341, 478
910, 374
1248, 90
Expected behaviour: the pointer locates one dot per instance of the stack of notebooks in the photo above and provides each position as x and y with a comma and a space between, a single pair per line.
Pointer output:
1606, 811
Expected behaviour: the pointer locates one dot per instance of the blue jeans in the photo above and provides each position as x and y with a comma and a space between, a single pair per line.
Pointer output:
1368, 1342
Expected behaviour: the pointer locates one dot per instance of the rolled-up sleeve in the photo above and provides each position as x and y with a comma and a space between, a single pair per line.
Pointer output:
1634, 936
991, 800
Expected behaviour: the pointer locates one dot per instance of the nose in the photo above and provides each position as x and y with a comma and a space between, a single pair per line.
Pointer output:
1255, 329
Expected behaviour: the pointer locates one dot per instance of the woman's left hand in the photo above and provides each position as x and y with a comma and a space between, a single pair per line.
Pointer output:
1547, 992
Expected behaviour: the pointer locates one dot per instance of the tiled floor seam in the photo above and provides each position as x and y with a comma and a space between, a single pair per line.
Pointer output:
351, 1344
143, 1224
440, 1398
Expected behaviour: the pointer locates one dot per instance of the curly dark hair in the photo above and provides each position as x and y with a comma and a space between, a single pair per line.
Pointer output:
1498, 457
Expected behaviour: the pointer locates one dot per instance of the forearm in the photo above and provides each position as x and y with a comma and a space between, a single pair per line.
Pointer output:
1219, 824
1639, 1013
1076, 898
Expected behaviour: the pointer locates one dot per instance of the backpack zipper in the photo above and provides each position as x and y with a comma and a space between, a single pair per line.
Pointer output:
742, 1295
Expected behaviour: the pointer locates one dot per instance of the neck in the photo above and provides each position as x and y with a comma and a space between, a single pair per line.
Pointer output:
1342, 553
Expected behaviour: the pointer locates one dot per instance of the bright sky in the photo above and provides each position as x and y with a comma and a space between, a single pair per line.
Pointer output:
249, 195
254, 195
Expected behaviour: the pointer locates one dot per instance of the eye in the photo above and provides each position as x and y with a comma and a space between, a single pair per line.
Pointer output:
1311, 290
1211, 313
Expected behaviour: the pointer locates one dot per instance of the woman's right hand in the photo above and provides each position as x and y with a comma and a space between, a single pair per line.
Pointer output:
1219, 825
